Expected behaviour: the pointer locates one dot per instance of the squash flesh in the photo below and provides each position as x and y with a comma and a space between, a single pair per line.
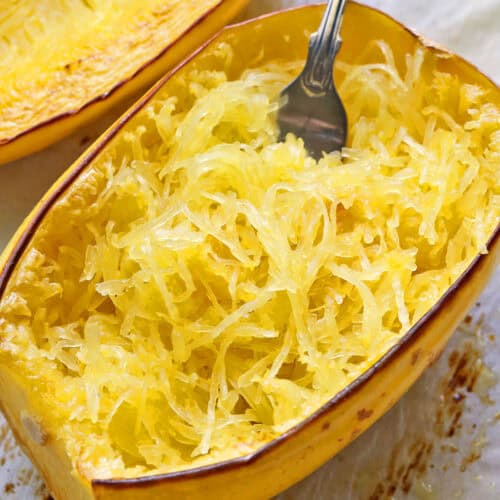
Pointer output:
154, 294
57, 56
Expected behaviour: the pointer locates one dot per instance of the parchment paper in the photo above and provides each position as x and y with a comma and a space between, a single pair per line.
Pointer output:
442, 440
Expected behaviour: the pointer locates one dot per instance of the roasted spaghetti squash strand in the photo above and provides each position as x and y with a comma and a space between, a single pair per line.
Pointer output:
215, 287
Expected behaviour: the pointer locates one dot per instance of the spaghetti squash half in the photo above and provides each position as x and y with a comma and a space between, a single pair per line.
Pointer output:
65, 62
201, 288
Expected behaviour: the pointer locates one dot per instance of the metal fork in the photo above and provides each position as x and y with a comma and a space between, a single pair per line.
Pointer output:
310, 106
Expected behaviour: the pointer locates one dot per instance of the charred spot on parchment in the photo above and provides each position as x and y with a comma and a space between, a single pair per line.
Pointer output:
409, 462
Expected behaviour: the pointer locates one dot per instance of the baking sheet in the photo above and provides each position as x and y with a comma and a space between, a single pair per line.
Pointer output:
442, 440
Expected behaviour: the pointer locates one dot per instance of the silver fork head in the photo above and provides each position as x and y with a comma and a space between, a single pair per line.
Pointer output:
310, 107
319, 119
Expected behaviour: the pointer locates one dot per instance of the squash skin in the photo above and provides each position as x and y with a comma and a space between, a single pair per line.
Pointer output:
304, 448
47, 129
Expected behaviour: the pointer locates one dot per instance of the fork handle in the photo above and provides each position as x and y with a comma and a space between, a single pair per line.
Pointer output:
323, 47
